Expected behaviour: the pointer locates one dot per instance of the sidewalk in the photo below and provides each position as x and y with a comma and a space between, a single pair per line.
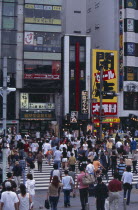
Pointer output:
75, 202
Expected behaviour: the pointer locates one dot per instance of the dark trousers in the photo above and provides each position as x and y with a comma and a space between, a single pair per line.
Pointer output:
119, 177
134, 166
66, 197
127, 192
39, 166
53, 202
100, 202
72, 167
113, 168
83, 197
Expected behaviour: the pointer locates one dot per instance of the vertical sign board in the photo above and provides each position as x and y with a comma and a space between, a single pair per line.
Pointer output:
74, 117
121, 44
84, 102
110, 74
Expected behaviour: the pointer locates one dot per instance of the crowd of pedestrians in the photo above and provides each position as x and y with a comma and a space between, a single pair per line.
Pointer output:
79, 158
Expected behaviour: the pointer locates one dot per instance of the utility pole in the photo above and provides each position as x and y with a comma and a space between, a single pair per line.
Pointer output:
101, 99
4, 94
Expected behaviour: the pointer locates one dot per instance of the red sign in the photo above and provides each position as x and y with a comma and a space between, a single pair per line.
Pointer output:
107, 75
41, 76
109, 108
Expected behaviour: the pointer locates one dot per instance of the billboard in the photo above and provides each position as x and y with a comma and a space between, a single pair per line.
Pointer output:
43, 72
42, 42
110, 74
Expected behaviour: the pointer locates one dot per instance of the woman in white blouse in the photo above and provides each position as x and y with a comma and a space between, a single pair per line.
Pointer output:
30, 185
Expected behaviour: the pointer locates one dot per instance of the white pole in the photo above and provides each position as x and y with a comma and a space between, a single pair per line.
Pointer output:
4, 115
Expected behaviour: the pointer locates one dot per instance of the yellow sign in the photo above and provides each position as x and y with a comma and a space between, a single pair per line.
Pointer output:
57, 8
100, 56
43, 21
29, 6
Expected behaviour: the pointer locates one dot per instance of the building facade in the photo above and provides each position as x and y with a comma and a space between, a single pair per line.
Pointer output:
116, 29
74, 17
31, 31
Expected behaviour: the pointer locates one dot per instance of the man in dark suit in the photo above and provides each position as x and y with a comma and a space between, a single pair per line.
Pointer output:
106, 163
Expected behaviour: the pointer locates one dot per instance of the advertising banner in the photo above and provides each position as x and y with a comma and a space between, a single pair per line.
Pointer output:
74, 117
42, 42
109, 108
84, 102
110, 74
41, 74
44, 115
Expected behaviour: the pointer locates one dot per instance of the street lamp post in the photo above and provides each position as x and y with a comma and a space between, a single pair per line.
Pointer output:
101, 98
3, 92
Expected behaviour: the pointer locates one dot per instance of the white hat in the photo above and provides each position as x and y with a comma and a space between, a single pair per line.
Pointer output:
7, 184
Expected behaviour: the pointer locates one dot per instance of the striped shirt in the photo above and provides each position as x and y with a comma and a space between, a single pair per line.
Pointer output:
121, 167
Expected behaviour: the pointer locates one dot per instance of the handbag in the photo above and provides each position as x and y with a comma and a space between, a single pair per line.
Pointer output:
88, 179
47, 206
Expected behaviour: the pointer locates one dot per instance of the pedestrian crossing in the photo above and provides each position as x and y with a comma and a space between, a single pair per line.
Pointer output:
43, 179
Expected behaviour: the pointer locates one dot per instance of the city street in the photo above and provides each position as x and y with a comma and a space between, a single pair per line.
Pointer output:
75, 202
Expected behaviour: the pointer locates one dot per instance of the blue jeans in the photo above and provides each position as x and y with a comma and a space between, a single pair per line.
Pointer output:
53, 202
66, 197
58, 163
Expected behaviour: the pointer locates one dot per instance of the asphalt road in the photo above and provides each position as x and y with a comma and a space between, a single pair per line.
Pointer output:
75, 202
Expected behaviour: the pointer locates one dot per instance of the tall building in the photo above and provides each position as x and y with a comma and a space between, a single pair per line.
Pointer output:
74, 17
31, 40
116, 29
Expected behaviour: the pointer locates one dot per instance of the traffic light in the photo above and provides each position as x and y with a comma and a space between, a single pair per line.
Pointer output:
97, 90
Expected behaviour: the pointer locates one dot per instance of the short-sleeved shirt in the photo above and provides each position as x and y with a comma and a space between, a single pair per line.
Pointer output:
121, 167
9, 198
96, 164
79, 180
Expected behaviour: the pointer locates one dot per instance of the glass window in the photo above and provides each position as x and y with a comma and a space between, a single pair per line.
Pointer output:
72, 53
8, 9
9, 51
9, 37
8, 23
82, 54
39, 98
130, 100
42, 42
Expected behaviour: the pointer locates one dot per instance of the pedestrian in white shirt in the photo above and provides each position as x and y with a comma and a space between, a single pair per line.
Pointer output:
63, 145
127, 183
9, 199
67, 181
17, 138
118, 144
85, 146
46, 146
30, 186
90, 167
57, 157
34, 147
